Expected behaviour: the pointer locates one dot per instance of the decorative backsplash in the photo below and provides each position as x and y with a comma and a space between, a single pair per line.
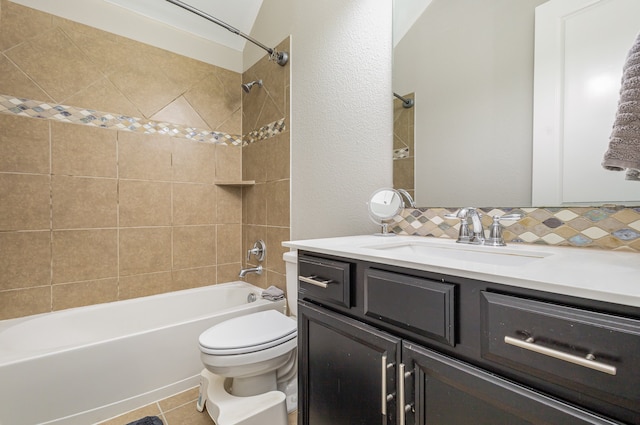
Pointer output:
608, 227
75, 115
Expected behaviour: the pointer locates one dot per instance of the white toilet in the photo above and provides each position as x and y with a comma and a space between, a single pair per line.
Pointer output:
250, 374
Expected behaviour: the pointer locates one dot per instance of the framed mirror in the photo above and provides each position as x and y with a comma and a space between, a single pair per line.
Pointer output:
469, 66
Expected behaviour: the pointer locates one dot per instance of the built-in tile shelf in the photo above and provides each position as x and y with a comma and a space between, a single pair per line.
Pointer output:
236, 183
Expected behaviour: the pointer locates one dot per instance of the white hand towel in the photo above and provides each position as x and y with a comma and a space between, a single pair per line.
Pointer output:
624, 143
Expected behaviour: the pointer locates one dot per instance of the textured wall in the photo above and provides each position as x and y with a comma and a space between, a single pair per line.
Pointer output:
342, 114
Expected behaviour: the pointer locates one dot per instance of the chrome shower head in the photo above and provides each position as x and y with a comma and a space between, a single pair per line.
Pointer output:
247, 86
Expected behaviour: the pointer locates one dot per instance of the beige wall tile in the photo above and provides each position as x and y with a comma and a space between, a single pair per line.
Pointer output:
19, 23
15, 83
254, 204
194, 246
25, 202
145, 83
278, 203
229, 204
229, 247
82, 255
278, 157
194, 278
83, 151
228, 163
213, 101
254, 161
194, 204
145, 250
80, 203
143, 285
24, 145
228, 272
193, 162
25, 259
144, 157
104, 96
24, 302
78, 294
144, 203
50, 60
180, 112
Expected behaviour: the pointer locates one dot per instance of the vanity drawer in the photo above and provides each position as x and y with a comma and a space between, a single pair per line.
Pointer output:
422, 306
324, 280
585, 351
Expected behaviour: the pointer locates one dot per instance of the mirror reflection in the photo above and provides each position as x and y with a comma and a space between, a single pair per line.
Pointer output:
469, 66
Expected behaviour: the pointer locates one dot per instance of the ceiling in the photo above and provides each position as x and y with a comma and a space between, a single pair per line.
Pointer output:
240, 14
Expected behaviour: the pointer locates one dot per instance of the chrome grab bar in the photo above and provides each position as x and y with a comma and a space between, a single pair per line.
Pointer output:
588, 361
313, 280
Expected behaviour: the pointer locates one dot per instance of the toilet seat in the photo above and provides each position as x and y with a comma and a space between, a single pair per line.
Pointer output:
247, 334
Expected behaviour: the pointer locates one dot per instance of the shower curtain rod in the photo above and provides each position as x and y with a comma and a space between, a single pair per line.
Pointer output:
281, 58
406, 103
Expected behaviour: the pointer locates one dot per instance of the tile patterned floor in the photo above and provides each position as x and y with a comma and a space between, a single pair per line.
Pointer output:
179, 409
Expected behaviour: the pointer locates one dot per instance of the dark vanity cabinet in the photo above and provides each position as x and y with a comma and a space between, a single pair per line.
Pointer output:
380, 344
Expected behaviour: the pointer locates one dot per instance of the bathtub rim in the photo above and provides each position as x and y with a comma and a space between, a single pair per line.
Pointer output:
6, 359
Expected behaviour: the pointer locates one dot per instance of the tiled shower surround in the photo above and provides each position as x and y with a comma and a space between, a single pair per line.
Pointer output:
103, 206
606, 227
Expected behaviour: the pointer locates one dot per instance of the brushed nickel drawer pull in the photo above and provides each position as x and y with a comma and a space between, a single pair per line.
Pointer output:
385, 397
589, 361
313, 280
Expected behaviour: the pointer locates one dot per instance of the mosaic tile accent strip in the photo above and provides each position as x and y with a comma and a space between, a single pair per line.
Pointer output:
611, 227
265, 132
401, 153
70, 114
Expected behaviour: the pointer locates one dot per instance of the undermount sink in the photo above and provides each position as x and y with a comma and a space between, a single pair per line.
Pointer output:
426, 250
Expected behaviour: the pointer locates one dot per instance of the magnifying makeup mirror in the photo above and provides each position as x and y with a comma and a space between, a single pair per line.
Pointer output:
384, 205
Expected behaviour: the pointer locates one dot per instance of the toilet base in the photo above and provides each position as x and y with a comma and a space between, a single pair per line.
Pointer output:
226, 409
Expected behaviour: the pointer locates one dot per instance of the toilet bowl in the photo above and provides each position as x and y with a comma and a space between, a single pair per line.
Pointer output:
251, 364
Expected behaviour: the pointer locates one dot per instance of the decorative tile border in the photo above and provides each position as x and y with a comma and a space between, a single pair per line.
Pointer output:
607, 227
401, 153
42, 110
265, 132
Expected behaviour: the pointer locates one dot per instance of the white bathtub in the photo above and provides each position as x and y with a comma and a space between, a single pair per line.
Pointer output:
84, 365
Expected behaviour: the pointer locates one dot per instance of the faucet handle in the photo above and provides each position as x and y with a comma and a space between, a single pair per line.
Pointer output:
464, 234
495, 231
259, 250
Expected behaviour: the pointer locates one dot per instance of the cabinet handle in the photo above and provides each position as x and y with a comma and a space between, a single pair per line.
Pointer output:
402, 408
589, 361
383, 373
401, 394
313, 280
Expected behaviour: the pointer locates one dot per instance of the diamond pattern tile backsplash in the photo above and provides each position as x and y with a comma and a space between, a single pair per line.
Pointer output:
607, 227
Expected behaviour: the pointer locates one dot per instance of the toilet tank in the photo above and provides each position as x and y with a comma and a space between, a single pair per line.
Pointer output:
291, 263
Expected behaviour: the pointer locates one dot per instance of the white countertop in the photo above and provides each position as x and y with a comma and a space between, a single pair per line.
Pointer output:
582, 272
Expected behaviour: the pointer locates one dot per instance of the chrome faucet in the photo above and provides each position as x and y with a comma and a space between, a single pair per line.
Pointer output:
410, 200
256, 270
471, 215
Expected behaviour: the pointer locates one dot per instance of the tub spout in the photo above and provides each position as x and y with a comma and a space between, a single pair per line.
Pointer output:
256, 270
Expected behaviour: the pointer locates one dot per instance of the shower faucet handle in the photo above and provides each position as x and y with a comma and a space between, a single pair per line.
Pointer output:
259, 250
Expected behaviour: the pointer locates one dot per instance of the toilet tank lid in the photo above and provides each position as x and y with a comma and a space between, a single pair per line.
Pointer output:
248, 331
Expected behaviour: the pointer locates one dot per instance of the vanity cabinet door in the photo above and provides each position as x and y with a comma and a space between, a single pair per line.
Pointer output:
347, 370
440, 390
